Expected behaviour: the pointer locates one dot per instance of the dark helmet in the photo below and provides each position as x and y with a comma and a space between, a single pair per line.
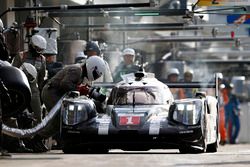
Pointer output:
92, 46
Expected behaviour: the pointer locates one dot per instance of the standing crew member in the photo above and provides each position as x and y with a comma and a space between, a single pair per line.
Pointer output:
34, 56
232, 115
173, 76
127, 65
92, 49
188, 77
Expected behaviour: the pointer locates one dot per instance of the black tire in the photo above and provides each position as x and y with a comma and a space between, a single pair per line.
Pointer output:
212, 148
190, 150
18, 89
98, 150
76, 149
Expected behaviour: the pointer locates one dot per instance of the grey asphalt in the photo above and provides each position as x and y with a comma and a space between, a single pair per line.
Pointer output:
228, 155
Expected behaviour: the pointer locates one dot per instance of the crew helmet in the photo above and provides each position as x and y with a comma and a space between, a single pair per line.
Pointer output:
189, 71
39, 43
231, 85
80, 57
128, 51
220, 75
173, 71
95, 67
92, 46
30, 71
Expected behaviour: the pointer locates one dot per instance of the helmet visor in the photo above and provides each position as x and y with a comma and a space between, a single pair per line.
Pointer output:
38, 50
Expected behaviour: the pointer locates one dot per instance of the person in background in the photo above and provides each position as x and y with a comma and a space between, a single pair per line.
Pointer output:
127, 65
34, 56
223, 100
188, 77
52, 66
173, 76
26, 60
80, 57
232, 115
4, 52
12, 38
92, 49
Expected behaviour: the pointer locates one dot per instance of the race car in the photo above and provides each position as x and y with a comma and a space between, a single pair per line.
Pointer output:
141, 114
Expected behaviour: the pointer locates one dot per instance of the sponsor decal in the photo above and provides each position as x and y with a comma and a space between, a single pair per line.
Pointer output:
238, 19
223, 2
186, 131
103, 127
154, 127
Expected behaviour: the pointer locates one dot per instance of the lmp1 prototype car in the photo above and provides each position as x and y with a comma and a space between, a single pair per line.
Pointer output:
141, 114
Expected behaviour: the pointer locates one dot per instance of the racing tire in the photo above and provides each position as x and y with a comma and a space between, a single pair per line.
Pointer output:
212, 148
190, 150
73, 150
76, 149
98, 150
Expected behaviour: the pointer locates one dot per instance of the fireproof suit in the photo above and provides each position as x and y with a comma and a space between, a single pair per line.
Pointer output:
40, 64
232, 118
64, 81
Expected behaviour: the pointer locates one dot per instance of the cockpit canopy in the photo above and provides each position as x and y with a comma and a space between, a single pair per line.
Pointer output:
140, 95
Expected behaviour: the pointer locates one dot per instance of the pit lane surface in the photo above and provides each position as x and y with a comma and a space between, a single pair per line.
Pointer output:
228, 155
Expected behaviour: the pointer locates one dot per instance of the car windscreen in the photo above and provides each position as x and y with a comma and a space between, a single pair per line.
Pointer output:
138, 96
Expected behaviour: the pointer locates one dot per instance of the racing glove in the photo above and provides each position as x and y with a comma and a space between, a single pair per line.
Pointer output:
83, 89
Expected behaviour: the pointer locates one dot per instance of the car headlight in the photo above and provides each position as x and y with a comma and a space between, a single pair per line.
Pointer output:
188, 113
74, 114
71, 107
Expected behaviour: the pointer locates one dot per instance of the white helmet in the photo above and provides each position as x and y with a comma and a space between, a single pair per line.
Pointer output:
173, 71
30, 71
128, 51
95, 67
1, 25
39, 43
219, 75
189, 71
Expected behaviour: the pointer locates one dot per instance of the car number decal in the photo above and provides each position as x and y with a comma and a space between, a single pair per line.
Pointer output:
129, 120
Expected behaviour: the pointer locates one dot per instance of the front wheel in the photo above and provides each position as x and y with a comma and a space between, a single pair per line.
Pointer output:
190, 150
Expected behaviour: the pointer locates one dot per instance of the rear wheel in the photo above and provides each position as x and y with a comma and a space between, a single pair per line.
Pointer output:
211, 148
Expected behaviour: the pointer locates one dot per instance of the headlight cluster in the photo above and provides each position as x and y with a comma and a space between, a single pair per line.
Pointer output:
188, 113
74, 114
